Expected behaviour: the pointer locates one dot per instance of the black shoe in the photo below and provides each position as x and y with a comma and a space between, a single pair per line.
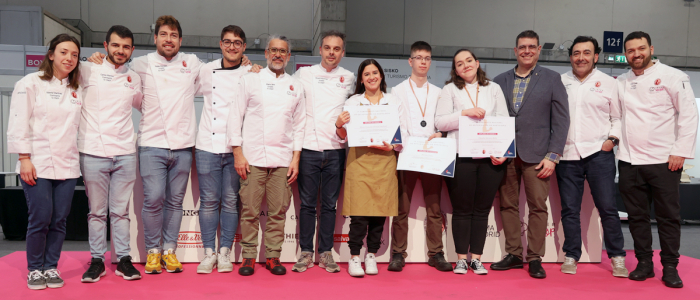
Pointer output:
275, 267
126, 270
248, 267
644, 270
671, 278
536, 270
508, 262
438, 261
96, 270
397, 262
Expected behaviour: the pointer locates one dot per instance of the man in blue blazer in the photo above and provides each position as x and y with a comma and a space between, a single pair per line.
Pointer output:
538, 100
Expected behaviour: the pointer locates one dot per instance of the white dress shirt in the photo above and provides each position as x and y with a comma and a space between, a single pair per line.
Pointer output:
594, 112
659, 115
168, 120
267, 119
325, 94
387, 99
109, 93
411, 105
44, 119
219, 87
452, 101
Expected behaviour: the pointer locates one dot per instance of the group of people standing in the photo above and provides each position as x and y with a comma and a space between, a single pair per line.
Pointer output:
261, 129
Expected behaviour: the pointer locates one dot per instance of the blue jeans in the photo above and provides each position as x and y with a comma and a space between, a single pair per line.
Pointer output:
165, 174
48, 204
109, 182
599, 170
218, 187
322, 170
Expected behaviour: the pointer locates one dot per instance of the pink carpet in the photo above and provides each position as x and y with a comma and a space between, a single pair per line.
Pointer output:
417, 281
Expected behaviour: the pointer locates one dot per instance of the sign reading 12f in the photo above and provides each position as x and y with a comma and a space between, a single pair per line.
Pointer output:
612, 41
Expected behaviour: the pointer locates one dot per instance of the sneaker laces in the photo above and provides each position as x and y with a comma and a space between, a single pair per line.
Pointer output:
53, 273
477, 264
618, 263
569, 261
170, 258
327, 259
461, 264
208, 259
127, 264
248, 262
274, 262
152, 259
93, 267
224, 257
35, 275
304, 259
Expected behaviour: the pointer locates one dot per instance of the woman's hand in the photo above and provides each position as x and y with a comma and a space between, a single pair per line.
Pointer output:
497, 160
476, 112
343, 119
385, 147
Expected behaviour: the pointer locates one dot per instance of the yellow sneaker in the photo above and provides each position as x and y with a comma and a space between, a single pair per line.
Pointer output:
153, 262
170, 262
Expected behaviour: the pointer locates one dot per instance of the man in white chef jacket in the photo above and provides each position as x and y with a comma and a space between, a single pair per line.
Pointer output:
419, 98
659, 128
107, 150
326, 86
594, 113
166, 137
218, 180
266, 131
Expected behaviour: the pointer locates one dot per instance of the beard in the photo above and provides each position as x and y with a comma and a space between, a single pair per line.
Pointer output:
645, 62
114, 61
276, 66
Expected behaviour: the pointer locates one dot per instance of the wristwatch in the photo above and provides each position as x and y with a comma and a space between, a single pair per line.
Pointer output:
614, 140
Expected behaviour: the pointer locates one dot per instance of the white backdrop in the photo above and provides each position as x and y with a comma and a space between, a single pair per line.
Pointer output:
190, 247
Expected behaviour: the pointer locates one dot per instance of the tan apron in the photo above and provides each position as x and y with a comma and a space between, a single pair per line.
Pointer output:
371, 185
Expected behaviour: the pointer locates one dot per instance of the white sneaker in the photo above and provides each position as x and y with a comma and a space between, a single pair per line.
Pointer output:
569, 266
355, 267
208, 263
371, 264
477, 267
618, 266
223, 264
461, 267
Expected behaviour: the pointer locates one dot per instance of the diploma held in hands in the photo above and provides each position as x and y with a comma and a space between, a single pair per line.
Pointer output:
434, 157
372, 125
490, 136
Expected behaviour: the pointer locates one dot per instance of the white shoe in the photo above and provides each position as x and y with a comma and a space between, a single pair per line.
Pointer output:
371, 264
569, 266
618, 266
208, 263
355, 267
461, 267
223, 264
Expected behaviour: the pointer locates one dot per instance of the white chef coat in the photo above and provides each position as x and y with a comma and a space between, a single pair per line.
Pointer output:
387, 99
218, 86
325, 94
44, 119
411, 106
659, 115
452, 101
167, 109
594, 110
106, 129
267, 119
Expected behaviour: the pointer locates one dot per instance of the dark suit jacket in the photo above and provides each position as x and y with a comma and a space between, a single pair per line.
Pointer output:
542, 122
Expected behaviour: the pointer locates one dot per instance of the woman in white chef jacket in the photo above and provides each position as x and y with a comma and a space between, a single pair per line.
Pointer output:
43, 127
473, 188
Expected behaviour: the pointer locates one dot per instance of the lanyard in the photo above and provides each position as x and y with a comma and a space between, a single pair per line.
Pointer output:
470, 96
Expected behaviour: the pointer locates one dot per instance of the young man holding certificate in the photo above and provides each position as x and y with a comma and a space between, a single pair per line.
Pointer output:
419, 98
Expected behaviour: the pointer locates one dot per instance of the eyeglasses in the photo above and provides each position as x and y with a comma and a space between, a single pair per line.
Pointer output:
529, 47
425, 59
236, 44
276, 50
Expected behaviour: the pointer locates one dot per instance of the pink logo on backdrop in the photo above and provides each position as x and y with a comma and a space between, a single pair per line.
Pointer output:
33, 61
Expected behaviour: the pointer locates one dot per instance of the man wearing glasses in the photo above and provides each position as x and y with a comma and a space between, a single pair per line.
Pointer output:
266, 131
419, 98
326, 87
538, 100
218, 180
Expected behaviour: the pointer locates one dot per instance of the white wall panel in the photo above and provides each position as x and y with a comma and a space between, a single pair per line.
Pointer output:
370, 21
665, 21
557, 21
208, 17
66, 9
290, 18
135, 14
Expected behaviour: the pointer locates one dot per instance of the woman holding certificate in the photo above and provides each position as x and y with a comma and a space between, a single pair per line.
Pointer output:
472, 190
371, 185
